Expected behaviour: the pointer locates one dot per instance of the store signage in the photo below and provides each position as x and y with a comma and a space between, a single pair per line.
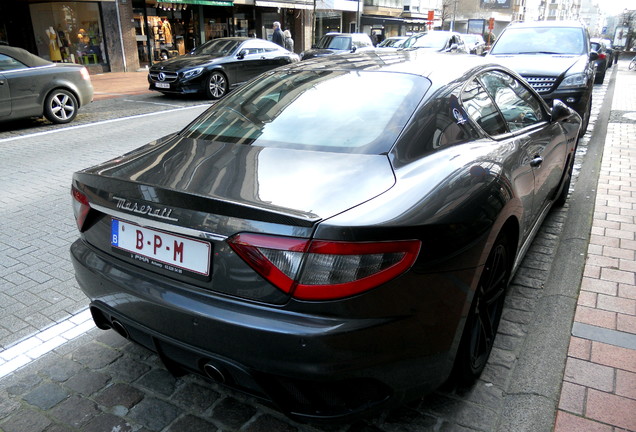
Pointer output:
201, 2
496, 4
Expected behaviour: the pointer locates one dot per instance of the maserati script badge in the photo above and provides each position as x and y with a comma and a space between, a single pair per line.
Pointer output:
144, 209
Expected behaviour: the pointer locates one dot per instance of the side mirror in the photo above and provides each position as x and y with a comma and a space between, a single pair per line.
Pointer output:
354, 48
314, 46
593, 56
560, 111
452, 48
241, 54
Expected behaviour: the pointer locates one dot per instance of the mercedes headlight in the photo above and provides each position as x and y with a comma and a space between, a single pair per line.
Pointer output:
192, 73
573, 81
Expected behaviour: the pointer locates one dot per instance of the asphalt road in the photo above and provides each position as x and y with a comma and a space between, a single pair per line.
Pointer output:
518, 390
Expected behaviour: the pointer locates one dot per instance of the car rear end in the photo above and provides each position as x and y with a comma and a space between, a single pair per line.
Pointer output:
218, 256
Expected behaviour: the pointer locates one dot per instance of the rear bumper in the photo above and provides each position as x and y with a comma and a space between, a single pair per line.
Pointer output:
309, 366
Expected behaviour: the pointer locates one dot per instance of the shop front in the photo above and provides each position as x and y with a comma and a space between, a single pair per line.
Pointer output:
172, 28
382, 27
69, 32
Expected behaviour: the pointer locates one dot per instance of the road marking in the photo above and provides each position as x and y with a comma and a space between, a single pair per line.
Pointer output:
152, 103
45, 341
52, 131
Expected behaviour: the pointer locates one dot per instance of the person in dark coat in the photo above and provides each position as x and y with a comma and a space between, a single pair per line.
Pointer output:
278, 37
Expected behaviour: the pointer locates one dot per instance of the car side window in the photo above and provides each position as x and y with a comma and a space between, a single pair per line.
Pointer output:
480, 107
9, 63
519, 107
441, 123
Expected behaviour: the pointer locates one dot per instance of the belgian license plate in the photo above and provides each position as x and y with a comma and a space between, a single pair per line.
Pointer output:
161, 249
162, 85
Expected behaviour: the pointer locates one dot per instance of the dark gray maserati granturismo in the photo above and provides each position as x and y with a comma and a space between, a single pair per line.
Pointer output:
335, 236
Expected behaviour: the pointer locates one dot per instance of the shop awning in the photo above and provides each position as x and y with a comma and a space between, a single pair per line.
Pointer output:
198, 2
284, 4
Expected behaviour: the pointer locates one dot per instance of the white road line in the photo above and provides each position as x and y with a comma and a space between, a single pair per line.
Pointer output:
151, 103
45, 341
52, 131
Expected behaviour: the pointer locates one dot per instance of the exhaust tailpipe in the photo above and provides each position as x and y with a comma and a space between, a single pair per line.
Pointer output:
120, 329
214, 373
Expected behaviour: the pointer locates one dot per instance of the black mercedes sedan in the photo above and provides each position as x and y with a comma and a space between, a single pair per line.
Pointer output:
328, 258
31, 86
217, 66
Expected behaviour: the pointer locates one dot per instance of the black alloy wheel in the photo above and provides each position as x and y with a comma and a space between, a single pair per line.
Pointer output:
485, 313
216, 85
60, 106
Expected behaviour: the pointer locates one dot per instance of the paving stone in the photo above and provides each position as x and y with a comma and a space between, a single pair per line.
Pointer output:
127, 369
60, 369
95, 356
46, 396
108, 422
23, 384
75, 411
158, 380
195, 397
232, 413
25, 421
87, 382
195, 424
155, 414
119, 394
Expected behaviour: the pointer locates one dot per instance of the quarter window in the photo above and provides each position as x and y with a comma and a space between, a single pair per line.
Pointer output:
517, 105
481, 108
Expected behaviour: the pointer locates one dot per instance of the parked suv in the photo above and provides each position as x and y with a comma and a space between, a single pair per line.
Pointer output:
338, 43
554, 57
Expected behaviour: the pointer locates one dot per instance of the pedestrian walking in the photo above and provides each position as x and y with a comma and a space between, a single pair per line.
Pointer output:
278, 37
288, 41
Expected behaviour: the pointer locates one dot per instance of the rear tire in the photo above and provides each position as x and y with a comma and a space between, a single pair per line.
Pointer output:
60, 106
485, 313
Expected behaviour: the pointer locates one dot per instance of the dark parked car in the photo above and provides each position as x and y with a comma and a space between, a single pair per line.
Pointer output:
329, 258
218, 66
610, 51
474, 43
603, 61
438, 40
554, 57
392, 42
31, 86
338, 43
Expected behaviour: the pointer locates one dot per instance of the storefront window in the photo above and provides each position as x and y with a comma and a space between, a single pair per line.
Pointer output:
69, 32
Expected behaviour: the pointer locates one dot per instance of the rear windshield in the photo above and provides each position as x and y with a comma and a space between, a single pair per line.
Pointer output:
217, 47
335, 42
541, 40
336, 111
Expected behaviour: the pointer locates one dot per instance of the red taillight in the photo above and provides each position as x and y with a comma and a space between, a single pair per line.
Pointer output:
321, 269
81, 207
601, 56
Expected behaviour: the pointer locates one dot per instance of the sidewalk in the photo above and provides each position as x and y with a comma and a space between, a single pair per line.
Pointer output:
116, 84
599, 384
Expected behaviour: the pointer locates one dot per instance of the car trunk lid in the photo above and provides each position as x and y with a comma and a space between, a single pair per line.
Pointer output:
205, 191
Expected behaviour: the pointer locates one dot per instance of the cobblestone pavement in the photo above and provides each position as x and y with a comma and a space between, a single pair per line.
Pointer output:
101, 382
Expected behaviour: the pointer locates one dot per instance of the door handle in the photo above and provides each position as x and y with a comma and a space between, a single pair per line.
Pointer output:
1, 82
536, 161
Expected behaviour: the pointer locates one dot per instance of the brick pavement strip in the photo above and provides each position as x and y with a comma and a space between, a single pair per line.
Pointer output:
99, 381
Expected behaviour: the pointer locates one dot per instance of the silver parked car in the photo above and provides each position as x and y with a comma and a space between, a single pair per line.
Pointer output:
31, 86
